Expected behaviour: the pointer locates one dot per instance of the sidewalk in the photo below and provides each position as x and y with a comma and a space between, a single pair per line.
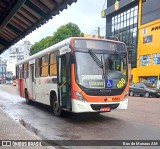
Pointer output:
11, 130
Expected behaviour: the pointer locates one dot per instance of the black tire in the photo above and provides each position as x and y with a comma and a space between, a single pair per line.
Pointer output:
146, 94
57, 111
131, 93
27, 98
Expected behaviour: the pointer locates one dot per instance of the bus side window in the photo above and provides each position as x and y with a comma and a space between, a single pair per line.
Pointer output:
25, 70
21, 71
53, 66
44, 66
37, 67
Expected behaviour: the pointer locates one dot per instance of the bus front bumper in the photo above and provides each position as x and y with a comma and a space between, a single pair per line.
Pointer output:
81, 106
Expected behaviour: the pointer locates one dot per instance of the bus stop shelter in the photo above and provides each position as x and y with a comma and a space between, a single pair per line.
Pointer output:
19, 18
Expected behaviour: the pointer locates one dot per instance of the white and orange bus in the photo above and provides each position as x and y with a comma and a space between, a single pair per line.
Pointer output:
78, 75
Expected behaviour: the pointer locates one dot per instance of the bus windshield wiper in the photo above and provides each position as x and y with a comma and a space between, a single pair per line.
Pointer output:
96, 59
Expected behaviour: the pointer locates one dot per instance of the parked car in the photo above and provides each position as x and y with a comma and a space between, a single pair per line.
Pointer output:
144, 89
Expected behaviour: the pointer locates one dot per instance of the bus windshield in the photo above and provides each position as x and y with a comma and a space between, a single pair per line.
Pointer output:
104, 70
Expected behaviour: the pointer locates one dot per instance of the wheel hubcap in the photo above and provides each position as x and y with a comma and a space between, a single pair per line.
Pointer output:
147, 94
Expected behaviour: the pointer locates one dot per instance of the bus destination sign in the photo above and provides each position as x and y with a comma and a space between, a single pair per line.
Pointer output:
95, 44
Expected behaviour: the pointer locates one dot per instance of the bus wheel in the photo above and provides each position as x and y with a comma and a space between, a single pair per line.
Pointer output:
56, 108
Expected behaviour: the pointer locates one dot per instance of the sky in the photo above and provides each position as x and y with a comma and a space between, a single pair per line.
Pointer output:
84, 13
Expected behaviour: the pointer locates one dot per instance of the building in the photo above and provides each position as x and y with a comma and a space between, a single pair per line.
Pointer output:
17, 53
7, 66
137, 23
148, 56
122, 23
90, 36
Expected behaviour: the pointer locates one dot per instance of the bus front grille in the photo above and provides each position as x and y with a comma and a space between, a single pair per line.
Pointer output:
99, 106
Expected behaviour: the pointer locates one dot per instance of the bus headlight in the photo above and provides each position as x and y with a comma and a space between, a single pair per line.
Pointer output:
125, 96
80, 97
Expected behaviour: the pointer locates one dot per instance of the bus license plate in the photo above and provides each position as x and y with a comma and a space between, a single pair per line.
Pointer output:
106, 109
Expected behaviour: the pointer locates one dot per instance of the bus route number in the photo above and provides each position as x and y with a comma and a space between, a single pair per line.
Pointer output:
121, 83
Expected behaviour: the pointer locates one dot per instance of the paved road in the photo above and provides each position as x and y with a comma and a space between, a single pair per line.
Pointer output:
139, 122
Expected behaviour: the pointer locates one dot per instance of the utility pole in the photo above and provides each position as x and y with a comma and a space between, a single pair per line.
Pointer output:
5, 72
99, 32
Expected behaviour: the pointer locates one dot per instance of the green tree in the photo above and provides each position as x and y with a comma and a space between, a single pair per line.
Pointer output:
82, 34
42, 44
63, 32
66, 31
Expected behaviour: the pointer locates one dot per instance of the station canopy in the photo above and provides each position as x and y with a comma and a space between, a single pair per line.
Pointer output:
18, 18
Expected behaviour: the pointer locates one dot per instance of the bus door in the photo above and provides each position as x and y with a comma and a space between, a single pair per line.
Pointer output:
63, 77
32, 78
